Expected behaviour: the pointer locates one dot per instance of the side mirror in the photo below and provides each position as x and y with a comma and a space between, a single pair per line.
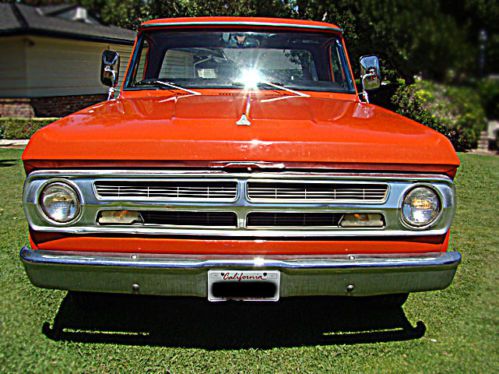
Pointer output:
110, 68
370, 73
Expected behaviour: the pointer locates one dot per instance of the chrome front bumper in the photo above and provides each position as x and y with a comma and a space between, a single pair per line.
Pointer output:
174, 275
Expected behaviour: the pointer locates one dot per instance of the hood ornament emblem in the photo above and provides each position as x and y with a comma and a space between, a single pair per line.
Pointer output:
244, 121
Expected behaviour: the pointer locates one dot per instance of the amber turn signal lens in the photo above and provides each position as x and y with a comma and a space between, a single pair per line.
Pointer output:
362, 220
119, 217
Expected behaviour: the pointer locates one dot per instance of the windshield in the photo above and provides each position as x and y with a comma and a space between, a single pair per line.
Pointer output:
232, 59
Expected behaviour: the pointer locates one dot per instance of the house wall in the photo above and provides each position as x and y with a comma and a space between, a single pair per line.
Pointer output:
32, 66
42, 76
13, 75
58, 67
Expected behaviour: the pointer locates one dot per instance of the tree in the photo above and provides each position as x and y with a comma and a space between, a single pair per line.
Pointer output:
122, 13
412, 37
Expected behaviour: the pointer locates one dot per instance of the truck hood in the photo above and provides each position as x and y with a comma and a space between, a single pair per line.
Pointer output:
284, 129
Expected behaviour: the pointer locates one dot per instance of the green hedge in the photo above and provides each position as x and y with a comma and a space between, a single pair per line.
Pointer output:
456, 112
22, 128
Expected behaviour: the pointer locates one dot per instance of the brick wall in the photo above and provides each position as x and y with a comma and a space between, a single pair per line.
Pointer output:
16, 108
55, 106
60, 106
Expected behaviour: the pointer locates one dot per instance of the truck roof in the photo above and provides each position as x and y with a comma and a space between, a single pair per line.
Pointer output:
240, 21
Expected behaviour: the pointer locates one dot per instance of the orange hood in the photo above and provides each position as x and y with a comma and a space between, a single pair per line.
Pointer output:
333, 129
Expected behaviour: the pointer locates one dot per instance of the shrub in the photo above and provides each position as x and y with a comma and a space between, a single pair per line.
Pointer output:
456, 112
489, 93
21, 128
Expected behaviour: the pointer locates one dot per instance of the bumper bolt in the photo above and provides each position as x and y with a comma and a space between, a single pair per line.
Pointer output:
350, 288
135, 288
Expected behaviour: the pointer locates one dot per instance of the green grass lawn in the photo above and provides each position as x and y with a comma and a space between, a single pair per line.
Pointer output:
454, 330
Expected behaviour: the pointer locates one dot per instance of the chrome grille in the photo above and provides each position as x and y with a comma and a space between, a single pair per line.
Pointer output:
294, 219
323, 192
208, 219
167, 190
252, 214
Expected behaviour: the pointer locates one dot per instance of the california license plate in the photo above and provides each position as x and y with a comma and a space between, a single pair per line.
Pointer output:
245, 285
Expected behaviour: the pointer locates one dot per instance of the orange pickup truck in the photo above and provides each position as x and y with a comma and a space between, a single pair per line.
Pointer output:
239, 161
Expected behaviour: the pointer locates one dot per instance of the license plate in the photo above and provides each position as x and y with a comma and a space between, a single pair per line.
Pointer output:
243, 285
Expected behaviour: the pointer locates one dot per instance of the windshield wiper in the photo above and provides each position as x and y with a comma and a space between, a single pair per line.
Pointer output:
276, 85
279, 86
160, 83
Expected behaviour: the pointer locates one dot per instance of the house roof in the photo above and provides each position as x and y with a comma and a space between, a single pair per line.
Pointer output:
17, 19
53, 9
240, 21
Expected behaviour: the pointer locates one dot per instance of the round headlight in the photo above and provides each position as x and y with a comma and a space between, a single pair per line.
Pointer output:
421, 206
60, 202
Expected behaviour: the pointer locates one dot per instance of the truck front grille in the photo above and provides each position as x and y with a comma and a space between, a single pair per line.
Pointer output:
167, 190
293, 219
323, 192
239, 203
206, 219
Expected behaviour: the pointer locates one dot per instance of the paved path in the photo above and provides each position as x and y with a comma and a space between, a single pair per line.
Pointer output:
13, 143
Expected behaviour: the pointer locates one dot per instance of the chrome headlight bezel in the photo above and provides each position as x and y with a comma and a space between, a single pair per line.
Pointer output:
72, 189
410, 225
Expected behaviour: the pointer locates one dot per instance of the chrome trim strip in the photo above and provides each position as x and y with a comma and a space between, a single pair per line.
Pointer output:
276, 233
216, 173
244, 23
186, 275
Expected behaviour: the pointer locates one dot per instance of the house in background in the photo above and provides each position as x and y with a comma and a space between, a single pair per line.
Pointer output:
50, 59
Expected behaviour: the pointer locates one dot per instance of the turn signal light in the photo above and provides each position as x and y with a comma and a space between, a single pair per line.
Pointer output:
362, 220
119, 217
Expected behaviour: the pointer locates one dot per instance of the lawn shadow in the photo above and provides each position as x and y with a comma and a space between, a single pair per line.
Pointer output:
8, 163
196, 323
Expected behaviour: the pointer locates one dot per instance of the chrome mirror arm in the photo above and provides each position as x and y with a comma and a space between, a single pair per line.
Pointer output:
110, 93
364, 93
111, 90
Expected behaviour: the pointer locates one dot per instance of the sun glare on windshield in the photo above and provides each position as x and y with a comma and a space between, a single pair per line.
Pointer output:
250, 78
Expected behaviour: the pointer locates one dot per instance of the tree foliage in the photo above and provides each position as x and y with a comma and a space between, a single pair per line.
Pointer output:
413, 37
457, 112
